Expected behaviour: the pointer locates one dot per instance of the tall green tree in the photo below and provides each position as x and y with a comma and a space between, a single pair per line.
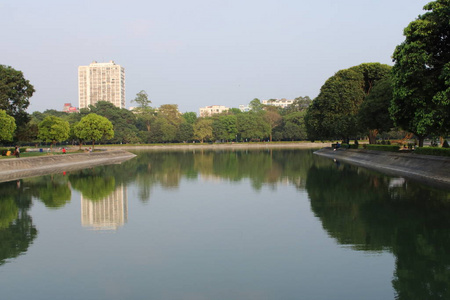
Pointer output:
203, 129
94, 128
15, 94
7, 126
256, 105
294, 126
374, 111
171, 113
421, 74
225, 127
190, 117
53, 129
251, 126
273, 118
123, 120
144, 111
333, 114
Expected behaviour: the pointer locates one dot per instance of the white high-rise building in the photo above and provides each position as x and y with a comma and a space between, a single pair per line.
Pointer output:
101, 82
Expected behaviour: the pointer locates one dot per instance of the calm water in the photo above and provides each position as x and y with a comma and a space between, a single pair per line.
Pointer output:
281, 224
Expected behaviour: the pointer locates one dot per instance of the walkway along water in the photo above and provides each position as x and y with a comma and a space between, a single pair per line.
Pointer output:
434, 170
13, 169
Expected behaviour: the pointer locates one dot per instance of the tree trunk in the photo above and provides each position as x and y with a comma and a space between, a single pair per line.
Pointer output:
421, 138
373, 136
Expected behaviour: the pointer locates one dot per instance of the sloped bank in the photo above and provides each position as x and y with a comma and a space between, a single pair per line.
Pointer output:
16, 168
434, 170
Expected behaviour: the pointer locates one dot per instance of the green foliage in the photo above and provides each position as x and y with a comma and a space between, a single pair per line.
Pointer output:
334, 112
93, 186
256, 105
392, 148
203, 129
251, 126
8, 212
7, 126
170, 113
189, 117
144, 111
294, 126
15, 94
299, 104
421, 74
53, 129
374, 111
142, 100
433, 151
185, 132
93, 128
122, 119
225, 127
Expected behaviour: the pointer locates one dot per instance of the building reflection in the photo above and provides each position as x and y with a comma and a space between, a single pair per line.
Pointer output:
108, 213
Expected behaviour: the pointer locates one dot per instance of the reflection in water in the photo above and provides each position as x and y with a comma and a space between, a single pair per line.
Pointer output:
370, 212
108, 213
360, 209
17, 230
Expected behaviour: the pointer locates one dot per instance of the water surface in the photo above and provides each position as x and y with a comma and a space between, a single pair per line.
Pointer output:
260, 224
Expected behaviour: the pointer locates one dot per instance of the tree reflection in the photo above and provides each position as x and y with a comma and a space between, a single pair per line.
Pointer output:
53, 190
93, 184
373, 213
261, 167
17, 231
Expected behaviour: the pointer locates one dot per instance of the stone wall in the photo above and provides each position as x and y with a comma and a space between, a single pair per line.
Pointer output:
432, 169
15, 168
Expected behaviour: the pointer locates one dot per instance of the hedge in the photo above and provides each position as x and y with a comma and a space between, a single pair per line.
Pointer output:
391, 148
433, 151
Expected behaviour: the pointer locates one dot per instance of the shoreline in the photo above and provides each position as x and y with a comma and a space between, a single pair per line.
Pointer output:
18, 168
25, 167
432, 170
192, 146
425, 168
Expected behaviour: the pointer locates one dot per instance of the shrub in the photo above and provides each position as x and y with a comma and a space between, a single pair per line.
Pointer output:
391, 148
433, 151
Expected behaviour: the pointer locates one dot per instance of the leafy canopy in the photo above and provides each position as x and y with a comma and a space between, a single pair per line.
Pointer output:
421, 73
333, 114
15, 93
53, 129
94, 128
7, 126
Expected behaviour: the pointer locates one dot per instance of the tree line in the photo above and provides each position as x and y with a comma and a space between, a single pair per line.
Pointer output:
364, 100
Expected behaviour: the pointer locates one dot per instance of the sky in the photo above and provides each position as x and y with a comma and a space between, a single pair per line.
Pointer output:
200, 52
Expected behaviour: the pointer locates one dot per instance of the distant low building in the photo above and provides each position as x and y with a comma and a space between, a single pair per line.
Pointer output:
212, 110
244, 108
68, 108
283, 102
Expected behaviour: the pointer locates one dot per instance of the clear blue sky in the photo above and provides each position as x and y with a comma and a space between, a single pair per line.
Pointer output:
199, 52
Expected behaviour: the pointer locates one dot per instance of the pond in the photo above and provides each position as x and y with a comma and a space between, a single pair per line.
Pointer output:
244, 224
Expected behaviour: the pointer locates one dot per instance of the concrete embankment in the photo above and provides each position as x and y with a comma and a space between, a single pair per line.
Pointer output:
426, 168
16, 168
